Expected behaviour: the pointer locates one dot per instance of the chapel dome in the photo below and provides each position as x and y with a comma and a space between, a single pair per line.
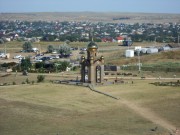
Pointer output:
92, 45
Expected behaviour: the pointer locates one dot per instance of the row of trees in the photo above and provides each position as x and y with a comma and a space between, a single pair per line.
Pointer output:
51, 67
44, 67
140, 38
40, 67
68, 37
62, 49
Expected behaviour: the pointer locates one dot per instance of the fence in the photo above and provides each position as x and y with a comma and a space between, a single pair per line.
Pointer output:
165, 68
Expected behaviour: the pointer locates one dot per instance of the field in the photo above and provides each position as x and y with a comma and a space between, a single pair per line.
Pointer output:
93, 17
57, 109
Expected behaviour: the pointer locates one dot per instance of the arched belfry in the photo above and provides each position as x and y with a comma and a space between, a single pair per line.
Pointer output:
92, 68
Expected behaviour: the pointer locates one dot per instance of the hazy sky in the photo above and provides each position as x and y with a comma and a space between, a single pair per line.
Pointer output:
148, 6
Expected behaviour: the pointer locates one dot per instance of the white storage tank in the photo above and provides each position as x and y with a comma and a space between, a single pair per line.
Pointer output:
166, 48
129, 53
152, 50
137, 48
144, 50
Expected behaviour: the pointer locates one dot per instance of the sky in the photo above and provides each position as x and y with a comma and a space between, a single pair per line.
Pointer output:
145, 6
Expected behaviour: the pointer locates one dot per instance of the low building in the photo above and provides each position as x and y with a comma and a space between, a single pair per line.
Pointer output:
120, 39
173, 45
107, 39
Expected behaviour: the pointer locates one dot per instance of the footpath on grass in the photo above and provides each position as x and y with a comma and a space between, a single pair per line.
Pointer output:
149, 115
143, 112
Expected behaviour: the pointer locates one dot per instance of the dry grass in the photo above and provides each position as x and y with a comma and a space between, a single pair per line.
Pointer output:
117, 58
70, 110
113, 53
164, 101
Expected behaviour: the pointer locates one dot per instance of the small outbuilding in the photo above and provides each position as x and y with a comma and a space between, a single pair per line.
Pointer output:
129, 53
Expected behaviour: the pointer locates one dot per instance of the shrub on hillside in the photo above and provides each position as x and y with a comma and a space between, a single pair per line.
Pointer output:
40, 78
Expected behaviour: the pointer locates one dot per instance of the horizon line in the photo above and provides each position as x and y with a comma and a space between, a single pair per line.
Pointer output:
85, 12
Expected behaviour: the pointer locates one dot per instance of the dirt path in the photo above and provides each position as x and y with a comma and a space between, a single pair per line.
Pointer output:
144, 112
148, 114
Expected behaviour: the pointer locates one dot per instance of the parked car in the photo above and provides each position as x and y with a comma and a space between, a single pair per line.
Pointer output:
38, 60
2, 55
83, 49
40, 54
54, 52
46, 58
22, 57
17, 56
55, 56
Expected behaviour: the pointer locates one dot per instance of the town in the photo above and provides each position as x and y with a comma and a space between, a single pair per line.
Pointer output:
79, 31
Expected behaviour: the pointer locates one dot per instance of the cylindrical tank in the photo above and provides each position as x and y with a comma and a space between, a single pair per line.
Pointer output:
152, 50
144, 50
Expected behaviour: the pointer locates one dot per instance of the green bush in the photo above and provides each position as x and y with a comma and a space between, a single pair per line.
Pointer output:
5, 84
23, 83
75, 68
40, 78
14, 83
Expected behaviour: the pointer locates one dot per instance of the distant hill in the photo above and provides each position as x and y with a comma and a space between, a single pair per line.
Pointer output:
114, 17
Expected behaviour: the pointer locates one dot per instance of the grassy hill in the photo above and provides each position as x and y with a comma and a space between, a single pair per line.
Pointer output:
53, 109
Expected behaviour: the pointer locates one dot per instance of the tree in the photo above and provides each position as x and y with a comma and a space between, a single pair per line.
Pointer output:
64, 49
61, 66
50, 48
49, 37
26, 64
27, 46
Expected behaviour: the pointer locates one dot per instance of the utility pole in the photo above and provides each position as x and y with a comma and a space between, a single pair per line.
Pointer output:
139, 61
5, 48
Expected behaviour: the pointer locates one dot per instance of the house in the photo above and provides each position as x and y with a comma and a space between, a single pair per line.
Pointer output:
120, 39
16, 36
107, 39
7, 39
